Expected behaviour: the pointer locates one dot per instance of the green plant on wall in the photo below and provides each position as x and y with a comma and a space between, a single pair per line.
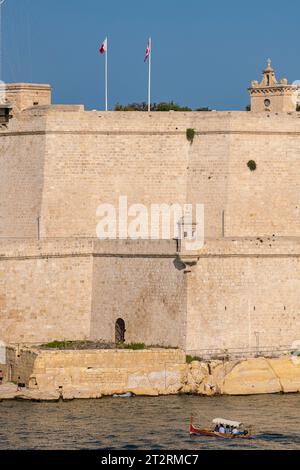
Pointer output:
190, 134
190, 359
252, 165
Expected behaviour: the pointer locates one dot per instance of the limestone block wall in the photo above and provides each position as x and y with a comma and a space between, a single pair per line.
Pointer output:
25, 95
22, 157
245, 296
45, 298
96, 157
266, 201
20, 363
61, 162
241, 294
90, 374
65, 289
148, 293
21, 177
207, 178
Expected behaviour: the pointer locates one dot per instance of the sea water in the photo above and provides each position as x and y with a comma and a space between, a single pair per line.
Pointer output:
148, 423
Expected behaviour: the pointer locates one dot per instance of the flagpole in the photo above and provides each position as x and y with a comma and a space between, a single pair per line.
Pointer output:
106, 74
149, 79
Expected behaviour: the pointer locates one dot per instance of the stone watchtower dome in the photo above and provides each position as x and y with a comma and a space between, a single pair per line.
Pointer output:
271, 95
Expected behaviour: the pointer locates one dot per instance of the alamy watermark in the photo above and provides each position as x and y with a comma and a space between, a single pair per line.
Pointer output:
156, 222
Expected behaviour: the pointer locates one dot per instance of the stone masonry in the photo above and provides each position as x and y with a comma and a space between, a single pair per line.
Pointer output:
58, 281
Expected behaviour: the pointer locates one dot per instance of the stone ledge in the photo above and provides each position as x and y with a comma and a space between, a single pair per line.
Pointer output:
223, 247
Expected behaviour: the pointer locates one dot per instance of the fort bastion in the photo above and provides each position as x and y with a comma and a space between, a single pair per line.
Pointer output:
59, 163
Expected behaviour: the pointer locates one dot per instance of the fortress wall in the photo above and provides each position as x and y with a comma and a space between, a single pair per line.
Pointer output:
257, 246
25, 95
72, 289
77, 289
56, 247
266, 201
96, 157
172, 123
99, 169
45, 299
148, 293
232, 297
81, 159
208, 178
22, 153
21, 183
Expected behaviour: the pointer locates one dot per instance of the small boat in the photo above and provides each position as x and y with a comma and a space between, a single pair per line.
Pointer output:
240, 432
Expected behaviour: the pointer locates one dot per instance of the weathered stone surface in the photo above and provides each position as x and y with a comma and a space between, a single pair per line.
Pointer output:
81, 392
253, 376
38, 395
288, 373
196, 373
51, 375
8, 391
58, 163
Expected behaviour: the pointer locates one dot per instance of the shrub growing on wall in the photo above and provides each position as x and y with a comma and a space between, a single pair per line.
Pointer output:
190, 134
203, 109
252, 165
163, 106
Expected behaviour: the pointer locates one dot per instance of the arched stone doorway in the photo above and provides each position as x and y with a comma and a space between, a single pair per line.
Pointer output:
120, 331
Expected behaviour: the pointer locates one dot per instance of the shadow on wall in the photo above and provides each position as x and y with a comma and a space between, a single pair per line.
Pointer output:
179, 265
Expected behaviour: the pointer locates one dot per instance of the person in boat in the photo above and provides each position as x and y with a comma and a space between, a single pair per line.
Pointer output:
216, 428
222, 429
235, 432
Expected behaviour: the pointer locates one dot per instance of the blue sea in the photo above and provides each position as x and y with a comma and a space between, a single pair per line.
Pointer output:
148, 423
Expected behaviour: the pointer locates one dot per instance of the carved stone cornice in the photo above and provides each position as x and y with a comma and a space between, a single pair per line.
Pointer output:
277, 90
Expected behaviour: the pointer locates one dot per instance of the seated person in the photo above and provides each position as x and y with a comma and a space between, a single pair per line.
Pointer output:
222, 429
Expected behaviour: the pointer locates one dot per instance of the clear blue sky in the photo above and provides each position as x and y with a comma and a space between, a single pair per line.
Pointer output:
205, 52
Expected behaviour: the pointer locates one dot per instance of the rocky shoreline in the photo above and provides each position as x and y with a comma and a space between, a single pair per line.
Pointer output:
69, 375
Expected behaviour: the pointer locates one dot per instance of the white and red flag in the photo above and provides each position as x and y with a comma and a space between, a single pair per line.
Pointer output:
148, 50
103, 47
